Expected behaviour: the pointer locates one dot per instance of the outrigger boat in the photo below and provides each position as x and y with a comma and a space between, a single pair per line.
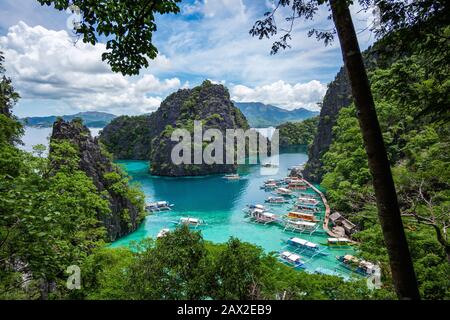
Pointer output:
252, 207
194, 222
158, 206
306, 246
302, 216
308, 208
297, 184
291, 259
300, 226
284, 192
276, 200
338, 242
233, 176
269, 186
362, 267
309, 195
162, 233
310, 201
263, 217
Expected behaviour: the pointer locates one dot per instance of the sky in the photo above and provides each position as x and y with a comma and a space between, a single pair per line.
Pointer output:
209, 39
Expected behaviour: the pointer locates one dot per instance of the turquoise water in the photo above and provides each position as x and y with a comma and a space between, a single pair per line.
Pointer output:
220, 202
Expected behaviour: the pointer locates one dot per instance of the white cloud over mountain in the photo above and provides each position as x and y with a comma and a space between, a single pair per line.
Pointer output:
282, 94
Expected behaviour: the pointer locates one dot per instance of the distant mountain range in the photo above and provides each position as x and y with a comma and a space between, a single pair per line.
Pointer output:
260, 115
91, 119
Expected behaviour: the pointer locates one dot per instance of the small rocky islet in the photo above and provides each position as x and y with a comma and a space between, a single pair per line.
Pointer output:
148, 137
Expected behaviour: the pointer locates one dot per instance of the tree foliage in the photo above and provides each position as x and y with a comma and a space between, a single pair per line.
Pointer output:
127, 26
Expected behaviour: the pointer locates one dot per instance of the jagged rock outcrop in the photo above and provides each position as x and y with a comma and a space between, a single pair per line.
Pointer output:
337, 96
126, 212
148, 137
208, 103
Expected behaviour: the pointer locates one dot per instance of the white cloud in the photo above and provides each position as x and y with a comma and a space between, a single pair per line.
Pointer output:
282, 94
46, 64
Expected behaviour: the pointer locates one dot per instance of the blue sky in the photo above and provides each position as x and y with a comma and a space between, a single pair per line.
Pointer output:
208, 40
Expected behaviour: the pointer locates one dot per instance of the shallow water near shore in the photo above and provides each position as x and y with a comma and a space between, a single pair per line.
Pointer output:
219, 203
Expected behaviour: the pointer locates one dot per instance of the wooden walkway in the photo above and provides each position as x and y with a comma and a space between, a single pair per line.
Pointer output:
326, 219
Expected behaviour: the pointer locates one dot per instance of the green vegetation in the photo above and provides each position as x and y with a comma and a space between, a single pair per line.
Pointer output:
417, 142
184, 266
127, 26
295, 133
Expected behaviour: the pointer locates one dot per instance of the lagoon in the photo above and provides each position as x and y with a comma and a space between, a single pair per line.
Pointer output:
219, 202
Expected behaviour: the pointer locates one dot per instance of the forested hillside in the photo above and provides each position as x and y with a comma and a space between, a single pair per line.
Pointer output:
412, 101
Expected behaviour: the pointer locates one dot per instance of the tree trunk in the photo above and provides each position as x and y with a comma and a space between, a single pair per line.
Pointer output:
388, 211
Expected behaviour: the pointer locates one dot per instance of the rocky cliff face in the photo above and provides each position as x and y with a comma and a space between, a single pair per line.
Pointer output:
337, 96
148, 137
126, 211
208, 103
129, 137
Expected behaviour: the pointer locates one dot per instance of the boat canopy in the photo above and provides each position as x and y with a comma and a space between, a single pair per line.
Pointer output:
301, 214
268, 215
284, 190
291, 256
304, 243
162, 203
303, 223
338, 240
190, 220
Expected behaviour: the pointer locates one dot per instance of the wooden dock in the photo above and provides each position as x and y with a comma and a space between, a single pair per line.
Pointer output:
326, 219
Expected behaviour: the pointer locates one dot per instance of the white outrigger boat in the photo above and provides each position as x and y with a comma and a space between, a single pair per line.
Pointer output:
284, 192
233, 176
362, 267
303, 246
310, 201
309, 195
264, 217
291, 259
294, 215
251, 207
158, 206
276, 200
300, 226
308, 208
339, 242
162, 233
269, 186
192, 222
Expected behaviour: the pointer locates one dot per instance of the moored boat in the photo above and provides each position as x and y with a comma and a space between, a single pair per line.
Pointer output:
262, 216
284, 192
306, 246
276, 200
302, 216
291, 259
300, 226
362, 267
162, 233
308, 208
338, 242
310, 201
158, 206
188, 221
233, 176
